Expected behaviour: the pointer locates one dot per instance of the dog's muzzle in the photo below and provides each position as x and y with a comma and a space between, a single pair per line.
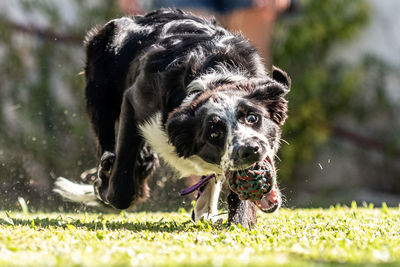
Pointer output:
245, 155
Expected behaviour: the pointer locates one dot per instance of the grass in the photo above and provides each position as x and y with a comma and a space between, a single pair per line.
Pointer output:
311, 237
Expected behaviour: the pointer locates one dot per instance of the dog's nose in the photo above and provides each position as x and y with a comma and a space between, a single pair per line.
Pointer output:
249, 153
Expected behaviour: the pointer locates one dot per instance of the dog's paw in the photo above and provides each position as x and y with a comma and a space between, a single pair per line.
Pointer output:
147, 161
89, 175
103, 174
214, 218
106, 163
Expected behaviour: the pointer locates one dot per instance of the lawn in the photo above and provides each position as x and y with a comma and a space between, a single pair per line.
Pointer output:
289, 238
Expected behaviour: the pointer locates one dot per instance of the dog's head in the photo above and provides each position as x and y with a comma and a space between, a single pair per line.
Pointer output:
234, 124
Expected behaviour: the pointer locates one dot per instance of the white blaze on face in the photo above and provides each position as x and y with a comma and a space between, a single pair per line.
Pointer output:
238, 134
244, 134
221, 73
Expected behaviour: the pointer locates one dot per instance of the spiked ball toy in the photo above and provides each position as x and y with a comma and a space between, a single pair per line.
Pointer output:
252, 183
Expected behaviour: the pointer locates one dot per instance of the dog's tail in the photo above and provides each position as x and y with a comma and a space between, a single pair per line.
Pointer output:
80, 193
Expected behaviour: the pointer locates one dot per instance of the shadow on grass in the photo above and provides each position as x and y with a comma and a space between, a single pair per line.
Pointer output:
99, 224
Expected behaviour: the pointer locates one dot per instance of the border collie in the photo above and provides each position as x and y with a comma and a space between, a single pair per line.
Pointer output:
186, 89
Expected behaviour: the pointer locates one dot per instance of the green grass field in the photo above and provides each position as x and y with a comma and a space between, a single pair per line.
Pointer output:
355, 236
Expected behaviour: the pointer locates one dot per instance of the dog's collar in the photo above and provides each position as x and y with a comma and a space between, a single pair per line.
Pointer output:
197, 185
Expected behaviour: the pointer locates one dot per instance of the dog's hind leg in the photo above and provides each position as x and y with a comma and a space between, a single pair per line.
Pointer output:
241, 211
122, 178
207, 202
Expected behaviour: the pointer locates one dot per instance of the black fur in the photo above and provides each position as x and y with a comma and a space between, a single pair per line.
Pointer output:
143, 65
243, 212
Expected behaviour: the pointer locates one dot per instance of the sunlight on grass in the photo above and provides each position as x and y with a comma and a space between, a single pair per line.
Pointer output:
290, 237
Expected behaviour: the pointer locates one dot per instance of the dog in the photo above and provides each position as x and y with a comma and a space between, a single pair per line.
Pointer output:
185, 89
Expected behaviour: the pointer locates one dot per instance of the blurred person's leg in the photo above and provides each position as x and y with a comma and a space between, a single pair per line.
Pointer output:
203, 8
256, 23
130, 7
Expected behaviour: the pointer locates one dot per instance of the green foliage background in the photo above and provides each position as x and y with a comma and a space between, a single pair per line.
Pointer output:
322, 89
45, 132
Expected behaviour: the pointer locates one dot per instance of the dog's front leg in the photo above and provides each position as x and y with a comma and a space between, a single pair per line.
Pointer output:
207, 202
241, 211
117, 184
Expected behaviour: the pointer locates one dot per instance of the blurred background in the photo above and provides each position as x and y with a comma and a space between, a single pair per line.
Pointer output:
342, 135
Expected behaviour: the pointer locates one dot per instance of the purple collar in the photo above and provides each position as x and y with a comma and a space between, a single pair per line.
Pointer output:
197, 186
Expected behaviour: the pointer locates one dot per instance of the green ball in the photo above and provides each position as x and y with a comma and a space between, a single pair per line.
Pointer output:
252, 183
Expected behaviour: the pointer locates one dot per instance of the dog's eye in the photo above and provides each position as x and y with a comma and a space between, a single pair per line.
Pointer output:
251, 118
216, 135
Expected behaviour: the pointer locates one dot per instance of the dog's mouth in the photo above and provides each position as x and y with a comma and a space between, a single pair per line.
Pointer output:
257, 184
271, 201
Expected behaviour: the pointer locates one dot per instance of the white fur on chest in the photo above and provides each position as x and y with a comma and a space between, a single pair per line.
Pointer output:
156, 137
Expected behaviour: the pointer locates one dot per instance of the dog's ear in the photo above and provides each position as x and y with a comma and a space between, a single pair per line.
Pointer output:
272, 97
182, 127
281, 77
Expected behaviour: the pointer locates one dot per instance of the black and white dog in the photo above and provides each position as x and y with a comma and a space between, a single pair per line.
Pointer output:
188, 90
